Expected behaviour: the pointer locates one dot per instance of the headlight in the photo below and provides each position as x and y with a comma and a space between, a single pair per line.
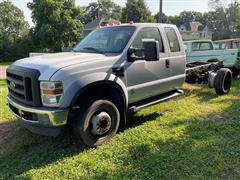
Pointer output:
51, 93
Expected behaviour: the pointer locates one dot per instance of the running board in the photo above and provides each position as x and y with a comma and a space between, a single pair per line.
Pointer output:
155, 100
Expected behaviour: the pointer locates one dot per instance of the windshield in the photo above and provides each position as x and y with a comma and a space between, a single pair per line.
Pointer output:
106, 40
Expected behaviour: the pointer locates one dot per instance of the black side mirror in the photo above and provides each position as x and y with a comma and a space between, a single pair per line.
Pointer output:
151, 50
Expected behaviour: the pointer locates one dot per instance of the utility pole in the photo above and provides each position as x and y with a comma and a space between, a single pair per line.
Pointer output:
160, 11
98, 9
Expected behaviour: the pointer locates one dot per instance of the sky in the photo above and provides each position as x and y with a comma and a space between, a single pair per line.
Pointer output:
170, 7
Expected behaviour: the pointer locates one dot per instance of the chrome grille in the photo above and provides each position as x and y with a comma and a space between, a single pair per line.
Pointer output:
23, 85
16, 85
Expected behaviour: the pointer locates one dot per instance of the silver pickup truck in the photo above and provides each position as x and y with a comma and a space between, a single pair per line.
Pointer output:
114, 70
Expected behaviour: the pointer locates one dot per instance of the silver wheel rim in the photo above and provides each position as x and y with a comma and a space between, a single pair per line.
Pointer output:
101, 123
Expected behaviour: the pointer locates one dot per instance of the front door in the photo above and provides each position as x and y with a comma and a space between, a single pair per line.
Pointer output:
146, 78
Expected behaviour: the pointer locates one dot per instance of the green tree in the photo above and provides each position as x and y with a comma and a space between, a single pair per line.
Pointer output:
185, 17
164, 18
223, 19
137, 11
233, 12
12, 28
102, 9
57, 23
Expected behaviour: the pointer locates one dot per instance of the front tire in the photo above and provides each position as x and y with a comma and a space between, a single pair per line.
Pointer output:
96, 122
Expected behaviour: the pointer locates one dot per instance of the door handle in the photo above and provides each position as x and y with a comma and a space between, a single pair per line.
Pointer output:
167, 63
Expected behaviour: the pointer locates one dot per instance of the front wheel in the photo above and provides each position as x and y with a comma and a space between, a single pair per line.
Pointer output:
96, 122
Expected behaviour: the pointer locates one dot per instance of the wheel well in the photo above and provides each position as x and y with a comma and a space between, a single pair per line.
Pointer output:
104, 90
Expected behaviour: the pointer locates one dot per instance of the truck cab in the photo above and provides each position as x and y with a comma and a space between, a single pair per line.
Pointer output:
113, 70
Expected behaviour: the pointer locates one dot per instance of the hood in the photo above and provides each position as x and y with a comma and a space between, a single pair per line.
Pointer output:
50, 63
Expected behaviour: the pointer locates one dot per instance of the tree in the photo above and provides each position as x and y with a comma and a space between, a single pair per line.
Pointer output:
12, 28
137, 11
186, 17
224, 19
164, 17
102, 9
57, 23
234, 16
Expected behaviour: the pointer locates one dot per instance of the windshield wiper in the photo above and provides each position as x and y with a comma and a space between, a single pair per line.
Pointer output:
93, 49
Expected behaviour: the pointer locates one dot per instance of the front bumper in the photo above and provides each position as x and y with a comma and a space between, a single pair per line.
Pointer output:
45, 121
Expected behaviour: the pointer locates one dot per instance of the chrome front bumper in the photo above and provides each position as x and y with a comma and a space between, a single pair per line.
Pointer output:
40, 120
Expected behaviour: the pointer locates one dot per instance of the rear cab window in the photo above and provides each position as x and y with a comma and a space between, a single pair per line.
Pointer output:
172, 39
202, 46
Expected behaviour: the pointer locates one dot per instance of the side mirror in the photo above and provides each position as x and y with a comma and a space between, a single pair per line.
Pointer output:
151, 50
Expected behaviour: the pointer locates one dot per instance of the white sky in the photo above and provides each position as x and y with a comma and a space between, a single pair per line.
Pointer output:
170, 7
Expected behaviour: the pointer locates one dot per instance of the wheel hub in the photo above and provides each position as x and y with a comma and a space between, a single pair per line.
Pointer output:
101, 123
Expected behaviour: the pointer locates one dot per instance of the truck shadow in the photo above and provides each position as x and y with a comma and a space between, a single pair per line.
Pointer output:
134, 120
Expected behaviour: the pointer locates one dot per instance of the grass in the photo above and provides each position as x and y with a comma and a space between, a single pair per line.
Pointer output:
4, 111
5, 63
196, 136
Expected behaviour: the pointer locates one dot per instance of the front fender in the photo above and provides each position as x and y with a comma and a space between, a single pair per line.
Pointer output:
77, 86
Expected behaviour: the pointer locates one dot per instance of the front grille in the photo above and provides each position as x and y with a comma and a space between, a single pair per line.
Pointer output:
23, 85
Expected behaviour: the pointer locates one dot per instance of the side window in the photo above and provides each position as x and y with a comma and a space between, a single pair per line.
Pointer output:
147, 33
206, 46
202, 46
172, 39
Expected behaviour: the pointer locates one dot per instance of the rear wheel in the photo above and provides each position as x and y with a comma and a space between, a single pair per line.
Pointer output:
223, 81
96, 122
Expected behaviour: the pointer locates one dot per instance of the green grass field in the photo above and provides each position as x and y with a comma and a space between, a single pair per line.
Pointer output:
196, 136
5, 63
4, 112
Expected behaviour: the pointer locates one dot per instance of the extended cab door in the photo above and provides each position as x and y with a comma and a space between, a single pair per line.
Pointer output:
146, 79
176, 57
